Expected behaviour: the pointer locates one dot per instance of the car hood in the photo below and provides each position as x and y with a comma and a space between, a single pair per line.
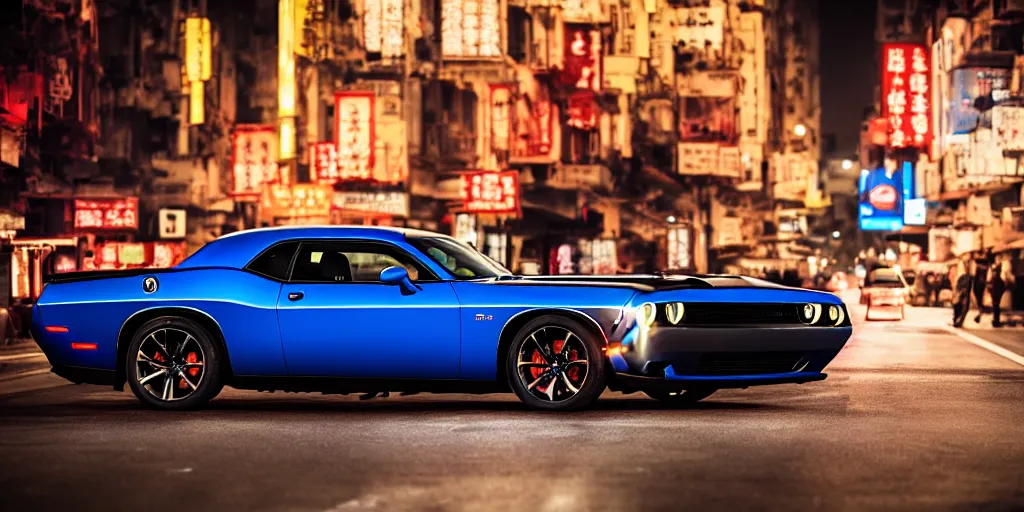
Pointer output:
651, 282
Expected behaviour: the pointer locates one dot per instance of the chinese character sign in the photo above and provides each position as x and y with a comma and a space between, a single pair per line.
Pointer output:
1008, 124
107, 213
582, 110
906, 95
254, 158
490, 192
382, 27
470, 28
582, 57
354, 133
501, 116
298, 200
323, 162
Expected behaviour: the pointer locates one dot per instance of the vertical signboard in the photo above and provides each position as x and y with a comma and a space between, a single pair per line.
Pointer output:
906, 100
354, 133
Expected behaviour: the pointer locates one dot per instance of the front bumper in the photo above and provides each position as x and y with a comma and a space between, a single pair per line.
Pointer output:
726, 357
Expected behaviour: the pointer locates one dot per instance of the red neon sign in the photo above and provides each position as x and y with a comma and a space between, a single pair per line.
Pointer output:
107, 213
906, 86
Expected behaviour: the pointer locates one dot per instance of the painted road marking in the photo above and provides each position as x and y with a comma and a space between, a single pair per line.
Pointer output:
987, 345
33, 355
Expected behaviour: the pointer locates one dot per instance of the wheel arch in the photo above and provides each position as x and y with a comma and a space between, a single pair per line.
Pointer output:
137, 319
514, 324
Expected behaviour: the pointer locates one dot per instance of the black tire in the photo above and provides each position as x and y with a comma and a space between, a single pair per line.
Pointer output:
196, 364
560, 381
687, 397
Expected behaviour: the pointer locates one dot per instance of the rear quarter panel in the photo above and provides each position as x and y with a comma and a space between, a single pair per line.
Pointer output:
500, 302
242, 304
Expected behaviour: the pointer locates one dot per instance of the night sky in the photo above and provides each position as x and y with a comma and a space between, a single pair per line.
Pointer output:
848, 68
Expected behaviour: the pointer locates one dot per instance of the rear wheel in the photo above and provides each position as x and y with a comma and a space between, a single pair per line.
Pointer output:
686, 397
173, 364
556, 364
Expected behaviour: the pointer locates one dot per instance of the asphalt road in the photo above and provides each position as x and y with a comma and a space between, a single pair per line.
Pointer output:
912, 417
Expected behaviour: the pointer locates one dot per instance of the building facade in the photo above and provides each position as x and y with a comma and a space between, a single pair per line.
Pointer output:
566, 136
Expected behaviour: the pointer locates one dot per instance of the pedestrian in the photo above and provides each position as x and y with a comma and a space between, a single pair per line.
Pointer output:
996, 288
961, 295
931, 289
981, 267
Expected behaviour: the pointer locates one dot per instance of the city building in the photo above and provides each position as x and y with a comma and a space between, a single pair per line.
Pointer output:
574, 136
951, 121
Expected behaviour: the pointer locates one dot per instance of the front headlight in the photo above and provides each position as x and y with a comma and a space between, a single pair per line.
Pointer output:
840, 316
646, 314
674, 311
810, 313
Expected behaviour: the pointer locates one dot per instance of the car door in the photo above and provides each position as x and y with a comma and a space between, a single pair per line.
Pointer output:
338, 319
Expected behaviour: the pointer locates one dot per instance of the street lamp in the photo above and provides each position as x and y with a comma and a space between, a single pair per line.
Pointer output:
800, 130
847, 164
671, 219
835, 235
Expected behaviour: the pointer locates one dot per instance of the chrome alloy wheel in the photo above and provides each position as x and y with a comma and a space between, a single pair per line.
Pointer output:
170, 364
552, 364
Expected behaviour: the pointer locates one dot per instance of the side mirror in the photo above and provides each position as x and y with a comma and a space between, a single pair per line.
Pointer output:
396, 275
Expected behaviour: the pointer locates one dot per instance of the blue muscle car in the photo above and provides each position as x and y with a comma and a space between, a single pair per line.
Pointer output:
375, 310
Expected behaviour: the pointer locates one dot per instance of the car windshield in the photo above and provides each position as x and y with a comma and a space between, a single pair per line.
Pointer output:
885, 278
461, 261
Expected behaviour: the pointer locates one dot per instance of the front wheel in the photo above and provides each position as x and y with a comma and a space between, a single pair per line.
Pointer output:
556, 364
173, 364
686, 397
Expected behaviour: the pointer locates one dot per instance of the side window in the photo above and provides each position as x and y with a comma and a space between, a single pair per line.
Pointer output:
351, 262
274, 262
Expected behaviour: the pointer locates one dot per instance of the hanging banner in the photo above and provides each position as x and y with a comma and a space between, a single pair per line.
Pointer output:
730, 162
906, 101
881, 199
698, 158
323, 162
383, 27
490, 192
254, 158
1008, 125
297, 200
533, 119
501, 116
700, 28
107, 214
381, 203
678, 249
583, 58
471, 28
354, 132
198, 54
582, 110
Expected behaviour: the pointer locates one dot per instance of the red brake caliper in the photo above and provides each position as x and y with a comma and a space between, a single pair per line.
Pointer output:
538, 358
191, 358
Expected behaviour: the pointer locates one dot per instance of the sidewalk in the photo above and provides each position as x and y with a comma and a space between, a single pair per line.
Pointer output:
20, 360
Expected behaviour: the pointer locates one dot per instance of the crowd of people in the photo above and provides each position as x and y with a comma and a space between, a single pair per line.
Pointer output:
981, 274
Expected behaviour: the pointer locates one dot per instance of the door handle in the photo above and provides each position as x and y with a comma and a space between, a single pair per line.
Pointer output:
293, 296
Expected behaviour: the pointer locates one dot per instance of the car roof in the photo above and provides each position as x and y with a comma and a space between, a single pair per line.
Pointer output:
237, 249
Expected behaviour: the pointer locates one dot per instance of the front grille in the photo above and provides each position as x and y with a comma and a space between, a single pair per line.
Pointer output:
740, 314
749, 363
